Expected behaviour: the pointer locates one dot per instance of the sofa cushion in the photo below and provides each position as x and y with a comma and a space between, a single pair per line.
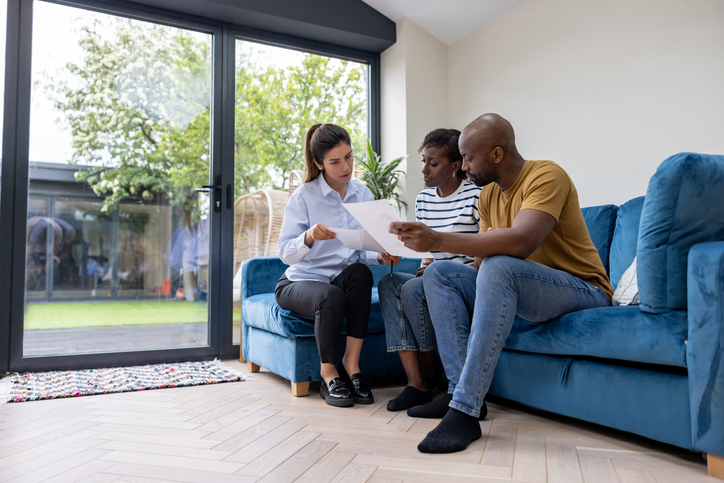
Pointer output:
625, 237
601, 221
684, 206
621, 333
261, 311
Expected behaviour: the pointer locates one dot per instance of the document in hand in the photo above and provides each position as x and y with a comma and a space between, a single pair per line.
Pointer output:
357, 239
375, 217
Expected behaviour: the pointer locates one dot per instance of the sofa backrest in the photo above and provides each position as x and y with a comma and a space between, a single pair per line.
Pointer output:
601, 221
684, 206
625, 237
260, 275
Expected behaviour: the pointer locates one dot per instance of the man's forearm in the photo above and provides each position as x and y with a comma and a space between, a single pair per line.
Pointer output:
497, 242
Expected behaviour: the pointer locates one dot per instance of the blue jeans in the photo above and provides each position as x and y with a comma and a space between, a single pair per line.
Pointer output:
404, 309
473, 311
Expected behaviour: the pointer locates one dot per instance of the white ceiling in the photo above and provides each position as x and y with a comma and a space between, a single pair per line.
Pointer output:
448, 20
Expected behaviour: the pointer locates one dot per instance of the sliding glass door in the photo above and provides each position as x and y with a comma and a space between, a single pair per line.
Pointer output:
117, 246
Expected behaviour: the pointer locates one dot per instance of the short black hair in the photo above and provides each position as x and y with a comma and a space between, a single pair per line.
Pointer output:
447, 139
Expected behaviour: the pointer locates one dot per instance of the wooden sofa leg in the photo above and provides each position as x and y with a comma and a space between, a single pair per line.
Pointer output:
300, 388
252, 367
715, 464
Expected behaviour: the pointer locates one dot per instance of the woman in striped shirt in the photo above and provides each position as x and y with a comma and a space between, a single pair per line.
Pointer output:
450, 204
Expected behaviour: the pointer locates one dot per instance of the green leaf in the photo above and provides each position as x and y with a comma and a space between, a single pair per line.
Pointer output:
382, 179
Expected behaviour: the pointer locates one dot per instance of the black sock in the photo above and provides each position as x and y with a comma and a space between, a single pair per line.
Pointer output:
483, 411
408, 398
432, 380
433, 410
454, 433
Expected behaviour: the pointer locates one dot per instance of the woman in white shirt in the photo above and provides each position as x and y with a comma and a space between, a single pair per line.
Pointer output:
449, 203
325, 280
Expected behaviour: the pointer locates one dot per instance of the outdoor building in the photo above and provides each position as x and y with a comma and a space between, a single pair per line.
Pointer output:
125, 253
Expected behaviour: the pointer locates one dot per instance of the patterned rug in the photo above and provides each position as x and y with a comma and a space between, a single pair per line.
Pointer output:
32, 386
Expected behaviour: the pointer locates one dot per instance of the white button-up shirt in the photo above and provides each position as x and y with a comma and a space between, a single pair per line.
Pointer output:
312, 203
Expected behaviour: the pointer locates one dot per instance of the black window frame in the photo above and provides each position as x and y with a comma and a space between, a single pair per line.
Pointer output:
15, 172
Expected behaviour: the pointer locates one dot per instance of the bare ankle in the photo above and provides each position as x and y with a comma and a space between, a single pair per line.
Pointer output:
418, 383
350, 367
328, 372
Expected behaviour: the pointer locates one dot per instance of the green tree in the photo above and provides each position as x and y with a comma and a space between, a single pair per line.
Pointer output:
138, 109
276, 106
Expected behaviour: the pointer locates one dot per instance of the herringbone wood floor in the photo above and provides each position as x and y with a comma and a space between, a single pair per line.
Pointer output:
257, 431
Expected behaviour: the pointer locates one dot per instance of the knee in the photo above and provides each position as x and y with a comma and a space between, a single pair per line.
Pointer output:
386, 282
495, 266
361, 273
414, 288
391, 283
333, 301
438, 270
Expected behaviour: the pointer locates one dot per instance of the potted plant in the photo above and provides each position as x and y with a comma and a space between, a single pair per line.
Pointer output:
382, 179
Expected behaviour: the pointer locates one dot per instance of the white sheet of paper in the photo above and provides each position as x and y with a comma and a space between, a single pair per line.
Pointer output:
375, 217
357, 239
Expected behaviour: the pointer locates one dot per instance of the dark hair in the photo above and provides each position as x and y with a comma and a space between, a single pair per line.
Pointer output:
320, 139
447, 139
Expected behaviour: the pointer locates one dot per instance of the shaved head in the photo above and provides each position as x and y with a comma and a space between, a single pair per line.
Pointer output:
489, 153
491, 130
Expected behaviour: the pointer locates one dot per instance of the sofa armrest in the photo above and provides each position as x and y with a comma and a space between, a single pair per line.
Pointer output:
705, 344
260, 275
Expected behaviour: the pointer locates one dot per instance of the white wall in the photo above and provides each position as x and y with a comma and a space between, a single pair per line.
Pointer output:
414, 98
606, 88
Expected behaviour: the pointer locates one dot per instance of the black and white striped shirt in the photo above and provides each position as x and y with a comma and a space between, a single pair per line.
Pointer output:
457, 212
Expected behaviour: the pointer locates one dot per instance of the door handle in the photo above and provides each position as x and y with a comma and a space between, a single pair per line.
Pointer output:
217, 192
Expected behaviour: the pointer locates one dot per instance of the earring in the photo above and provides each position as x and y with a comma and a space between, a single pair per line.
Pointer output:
454, 174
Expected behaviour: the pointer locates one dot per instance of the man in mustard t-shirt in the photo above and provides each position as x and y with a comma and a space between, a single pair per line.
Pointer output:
535, 258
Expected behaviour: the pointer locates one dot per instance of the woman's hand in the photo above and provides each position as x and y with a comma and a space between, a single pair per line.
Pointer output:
388, 259
318, 232
423, 266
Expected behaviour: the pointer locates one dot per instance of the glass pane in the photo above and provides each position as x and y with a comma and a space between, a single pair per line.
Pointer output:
117, 250
280, 94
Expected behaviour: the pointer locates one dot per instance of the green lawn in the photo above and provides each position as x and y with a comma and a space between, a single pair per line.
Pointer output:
56, 316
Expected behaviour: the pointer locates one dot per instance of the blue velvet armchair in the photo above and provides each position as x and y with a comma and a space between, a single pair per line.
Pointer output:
283, 342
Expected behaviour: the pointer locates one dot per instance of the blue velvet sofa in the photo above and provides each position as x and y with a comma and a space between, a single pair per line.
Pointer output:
283, 342
653, 369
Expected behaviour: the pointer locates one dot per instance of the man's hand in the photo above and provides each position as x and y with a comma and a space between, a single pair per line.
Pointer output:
416, 236
318, 232
388, 259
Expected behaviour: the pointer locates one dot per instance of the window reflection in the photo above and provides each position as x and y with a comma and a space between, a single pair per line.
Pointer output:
119, 140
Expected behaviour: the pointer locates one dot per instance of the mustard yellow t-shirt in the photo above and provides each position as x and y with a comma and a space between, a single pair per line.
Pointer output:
546, 187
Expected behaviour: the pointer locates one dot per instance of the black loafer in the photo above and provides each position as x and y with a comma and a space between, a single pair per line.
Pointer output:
337, 394
359, 388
